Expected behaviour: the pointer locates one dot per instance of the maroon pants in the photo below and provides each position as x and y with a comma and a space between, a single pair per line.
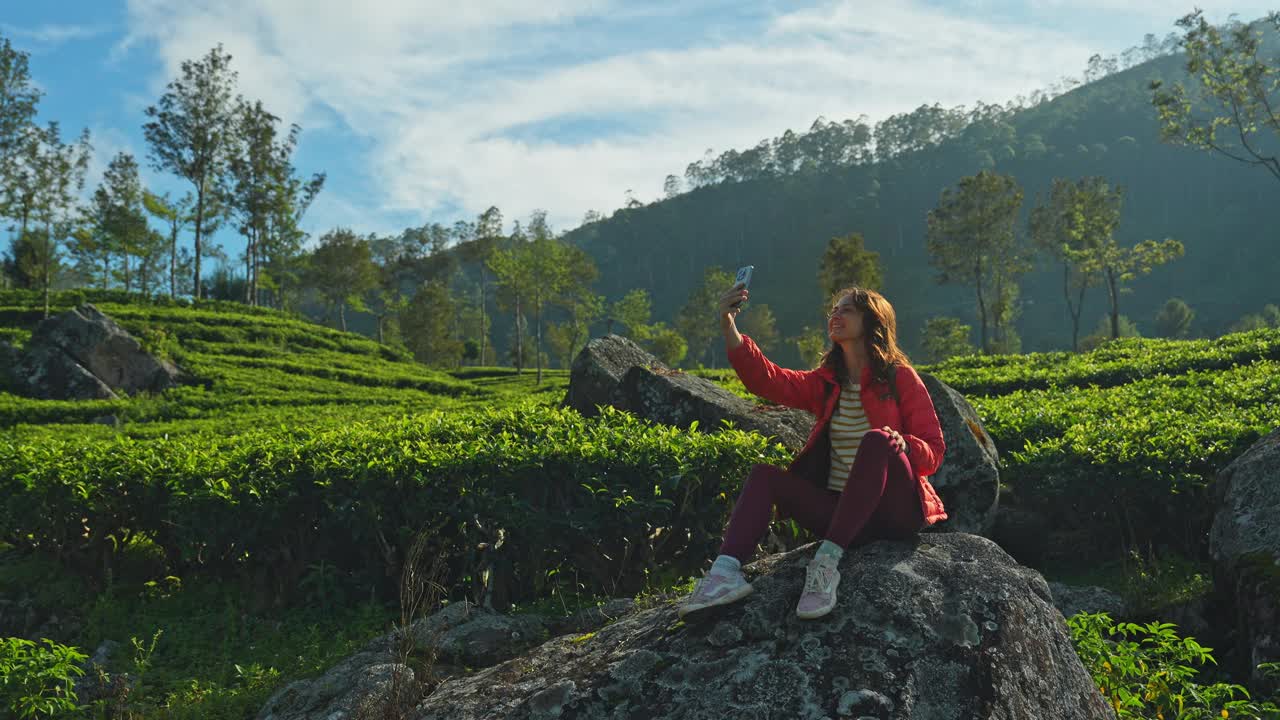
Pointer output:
879, 501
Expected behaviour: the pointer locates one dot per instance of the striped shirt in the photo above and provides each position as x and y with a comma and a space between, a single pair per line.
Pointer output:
848, 425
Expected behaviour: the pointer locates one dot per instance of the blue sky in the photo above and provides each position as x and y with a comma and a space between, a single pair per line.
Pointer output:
430, 111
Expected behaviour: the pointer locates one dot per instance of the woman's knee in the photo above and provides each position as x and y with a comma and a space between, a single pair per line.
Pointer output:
876, 438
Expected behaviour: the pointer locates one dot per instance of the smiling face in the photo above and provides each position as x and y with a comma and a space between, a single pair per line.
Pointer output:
845, 321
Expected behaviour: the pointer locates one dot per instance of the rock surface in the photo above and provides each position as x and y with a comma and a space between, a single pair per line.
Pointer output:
598, 369
82, 354
1244, 543
945, 627
969, 480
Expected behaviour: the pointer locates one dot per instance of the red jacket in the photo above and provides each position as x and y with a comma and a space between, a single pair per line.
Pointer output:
817, 391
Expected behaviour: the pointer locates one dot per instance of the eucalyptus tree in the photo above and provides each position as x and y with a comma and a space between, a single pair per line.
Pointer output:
1234, 107
191, 130
972, 241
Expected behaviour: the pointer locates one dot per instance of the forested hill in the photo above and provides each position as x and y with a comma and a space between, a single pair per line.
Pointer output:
780, 221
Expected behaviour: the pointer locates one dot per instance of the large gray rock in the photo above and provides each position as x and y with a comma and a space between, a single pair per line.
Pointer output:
1244, 543
946, 627
676, 398
614, 371
378, 679
9, 356
598, 369
969, 480
83, 354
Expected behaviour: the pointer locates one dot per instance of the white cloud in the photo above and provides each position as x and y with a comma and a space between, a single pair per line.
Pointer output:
53, 35
449, 96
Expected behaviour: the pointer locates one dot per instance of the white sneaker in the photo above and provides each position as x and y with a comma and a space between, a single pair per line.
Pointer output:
821, 578
716, 589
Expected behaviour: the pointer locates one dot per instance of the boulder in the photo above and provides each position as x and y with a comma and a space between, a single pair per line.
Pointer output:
676, 398
49, 373
944, 627
614, 371
599, 368
83, 354
1244, 543
969, 480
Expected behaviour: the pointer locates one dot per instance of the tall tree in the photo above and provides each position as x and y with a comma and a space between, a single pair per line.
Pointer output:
176, 214
1075, 217
262, 192
427, 326
118, 213
1119, 265
971, 241
847, 261
341, 270
1235, 107
62, 168
18, 99
1174, 319
191, 129
515, 280
488, 235
759, 323
695, 321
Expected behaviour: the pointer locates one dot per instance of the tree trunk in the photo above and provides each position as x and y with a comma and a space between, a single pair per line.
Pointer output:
48, 264
342, 315
482, 318
173, 261
199, 222
124, 252
1076, 312
519, 339
537, 324
380, 317
248, 267
982, 310
1115, 304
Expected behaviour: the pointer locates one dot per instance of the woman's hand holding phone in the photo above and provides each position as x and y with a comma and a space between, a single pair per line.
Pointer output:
731, 301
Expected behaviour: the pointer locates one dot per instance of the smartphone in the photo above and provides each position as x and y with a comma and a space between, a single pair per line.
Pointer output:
744, 278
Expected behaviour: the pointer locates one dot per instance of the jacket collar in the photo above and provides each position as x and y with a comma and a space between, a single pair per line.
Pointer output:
829, 375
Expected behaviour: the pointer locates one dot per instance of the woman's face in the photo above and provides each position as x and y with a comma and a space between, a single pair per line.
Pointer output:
844, 321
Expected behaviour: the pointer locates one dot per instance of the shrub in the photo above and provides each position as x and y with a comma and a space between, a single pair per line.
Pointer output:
38, 680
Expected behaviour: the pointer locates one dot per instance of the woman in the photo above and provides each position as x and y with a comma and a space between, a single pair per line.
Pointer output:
851, 484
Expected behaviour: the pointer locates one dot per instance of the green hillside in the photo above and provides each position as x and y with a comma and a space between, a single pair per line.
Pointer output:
249, 368
780, 222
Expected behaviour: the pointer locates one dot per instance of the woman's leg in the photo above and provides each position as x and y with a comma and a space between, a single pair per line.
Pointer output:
880, 499
768, 487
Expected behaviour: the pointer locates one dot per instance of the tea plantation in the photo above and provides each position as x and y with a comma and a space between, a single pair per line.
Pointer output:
248, 527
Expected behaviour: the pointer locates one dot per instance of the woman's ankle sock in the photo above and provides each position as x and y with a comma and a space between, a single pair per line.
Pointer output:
830, 550
726, 565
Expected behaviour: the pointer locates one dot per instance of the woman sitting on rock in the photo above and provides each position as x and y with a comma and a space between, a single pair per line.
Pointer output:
851, 484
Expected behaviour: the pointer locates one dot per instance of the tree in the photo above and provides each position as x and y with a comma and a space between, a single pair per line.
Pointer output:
945, 337
515, 280
18, 99
190, 131
1233, 109
263, 194
846, 262
758, 322
342, 270
810, 344
633, 312
1174, 319
60, 171
971, 241
1119, 265
1075, 217
119, 220
1104, 331
696, 320
665, 343
177, 215
427, 326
